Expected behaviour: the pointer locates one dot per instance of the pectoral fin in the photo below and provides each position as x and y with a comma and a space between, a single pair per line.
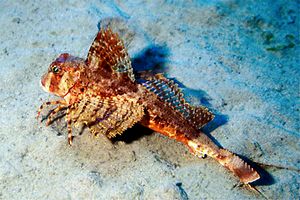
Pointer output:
110, 116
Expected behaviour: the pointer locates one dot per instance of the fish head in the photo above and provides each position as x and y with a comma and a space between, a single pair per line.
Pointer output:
62, 75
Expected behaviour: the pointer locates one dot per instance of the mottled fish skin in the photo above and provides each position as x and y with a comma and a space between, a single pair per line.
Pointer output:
103, 94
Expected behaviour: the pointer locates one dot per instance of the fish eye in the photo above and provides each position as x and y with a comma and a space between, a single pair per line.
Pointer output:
55, 69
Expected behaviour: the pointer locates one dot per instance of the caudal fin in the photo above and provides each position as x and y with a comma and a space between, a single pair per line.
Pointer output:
239, 167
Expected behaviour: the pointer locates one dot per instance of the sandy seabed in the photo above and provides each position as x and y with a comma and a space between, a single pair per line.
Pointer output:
239, 58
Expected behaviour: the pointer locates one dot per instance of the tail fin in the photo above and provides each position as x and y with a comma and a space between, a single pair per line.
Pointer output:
235, 164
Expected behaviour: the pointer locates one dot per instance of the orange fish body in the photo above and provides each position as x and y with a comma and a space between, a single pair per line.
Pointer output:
101, 93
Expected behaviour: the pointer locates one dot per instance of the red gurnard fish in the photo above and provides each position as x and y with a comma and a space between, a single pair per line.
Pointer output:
101, 92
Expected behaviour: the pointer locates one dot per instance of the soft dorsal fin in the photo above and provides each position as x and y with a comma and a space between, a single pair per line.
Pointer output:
109, 54
169, 92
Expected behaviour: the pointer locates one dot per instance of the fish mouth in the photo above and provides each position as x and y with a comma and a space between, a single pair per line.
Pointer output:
49, 88
45, 83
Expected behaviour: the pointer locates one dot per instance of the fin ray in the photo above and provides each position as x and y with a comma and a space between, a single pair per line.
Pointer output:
238, 166
109, 53
110, 116
170, 93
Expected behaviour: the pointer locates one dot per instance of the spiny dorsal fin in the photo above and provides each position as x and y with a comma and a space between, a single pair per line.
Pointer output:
110, 116
169, 92
108, 53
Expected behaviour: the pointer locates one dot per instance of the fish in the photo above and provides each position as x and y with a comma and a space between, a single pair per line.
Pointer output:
104, 93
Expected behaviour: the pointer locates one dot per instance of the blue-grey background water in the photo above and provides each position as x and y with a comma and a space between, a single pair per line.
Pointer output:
239, 58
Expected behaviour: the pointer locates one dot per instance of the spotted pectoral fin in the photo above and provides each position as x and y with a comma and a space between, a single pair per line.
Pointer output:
110, 116
169, 92
108, 56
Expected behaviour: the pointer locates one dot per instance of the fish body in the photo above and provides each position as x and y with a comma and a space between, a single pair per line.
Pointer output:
102, 93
